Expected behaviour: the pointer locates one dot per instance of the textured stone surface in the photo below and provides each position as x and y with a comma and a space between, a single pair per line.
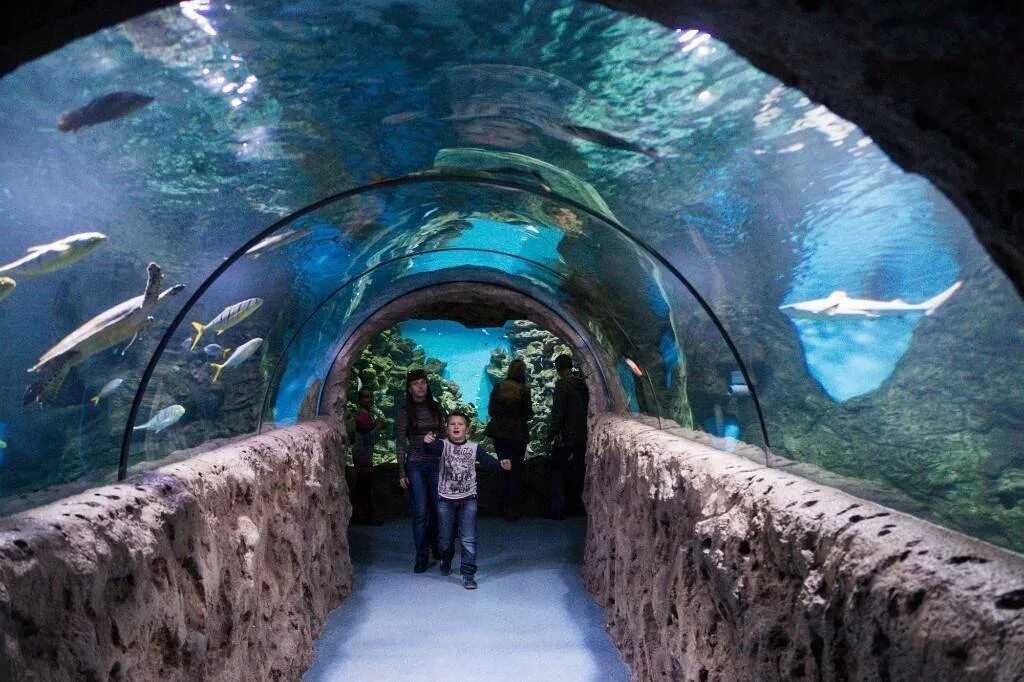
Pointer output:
220, 567
714, 568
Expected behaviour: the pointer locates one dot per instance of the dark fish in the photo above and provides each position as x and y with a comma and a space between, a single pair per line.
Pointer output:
608, 140
105, 108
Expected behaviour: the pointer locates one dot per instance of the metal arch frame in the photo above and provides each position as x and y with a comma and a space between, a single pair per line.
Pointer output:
423, 178
348, 282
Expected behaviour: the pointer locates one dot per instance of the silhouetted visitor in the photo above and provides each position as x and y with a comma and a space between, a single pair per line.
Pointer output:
567, 435
511, 409
417, 469
456, 492
363, 428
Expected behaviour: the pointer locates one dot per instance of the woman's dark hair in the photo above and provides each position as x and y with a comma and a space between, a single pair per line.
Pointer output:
429, 400
517, 371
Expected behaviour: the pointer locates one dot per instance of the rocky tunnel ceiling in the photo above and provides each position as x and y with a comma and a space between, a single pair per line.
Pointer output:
722, 241
938, 86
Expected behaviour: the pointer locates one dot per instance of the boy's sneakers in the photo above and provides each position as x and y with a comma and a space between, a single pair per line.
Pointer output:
446, 566
420, 566
468, 582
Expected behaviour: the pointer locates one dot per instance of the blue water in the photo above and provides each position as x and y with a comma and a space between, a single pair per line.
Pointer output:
535, 243
891, 247
467, 352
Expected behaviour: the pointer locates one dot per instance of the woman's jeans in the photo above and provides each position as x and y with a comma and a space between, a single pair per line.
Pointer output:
511, 480
463, 512
422, 477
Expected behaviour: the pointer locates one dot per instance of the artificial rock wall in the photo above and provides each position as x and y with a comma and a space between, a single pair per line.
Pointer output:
711, 567
221, 567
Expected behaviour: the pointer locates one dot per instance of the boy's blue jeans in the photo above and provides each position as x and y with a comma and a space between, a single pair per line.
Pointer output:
423, 494
463, 512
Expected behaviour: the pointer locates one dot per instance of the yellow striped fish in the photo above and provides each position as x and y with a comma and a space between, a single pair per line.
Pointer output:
227, 318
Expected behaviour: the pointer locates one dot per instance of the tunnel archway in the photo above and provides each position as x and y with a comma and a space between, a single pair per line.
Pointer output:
510, 205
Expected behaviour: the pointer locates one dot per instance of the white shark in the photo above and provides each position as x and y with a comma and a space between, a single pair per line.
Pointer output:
840, 303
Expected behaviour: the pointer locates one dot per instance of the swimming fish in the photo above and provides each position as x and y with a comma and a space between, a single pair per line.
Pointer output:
107, 389
276, 241
53, 256
105, 108
402, 117
607, 140
3, 435
241, 354
216, 350
6, 287
227, 318
633, 367
186, 344
168, 416
840, 303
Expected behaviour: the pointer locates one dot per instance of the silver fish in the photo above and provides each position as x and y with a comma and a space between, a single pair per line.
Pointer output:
53, 256
215, 350
276, 241
168, 416
227, 318
107, 389
241, 354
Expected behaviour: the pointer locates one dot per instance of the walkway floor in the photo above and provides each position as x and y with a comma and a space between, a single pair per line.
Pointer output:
530, 619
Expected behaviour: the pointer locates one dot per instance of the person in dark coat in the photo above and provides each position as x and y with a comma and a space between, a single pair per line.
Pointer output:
567, 435
511, 409
417, 469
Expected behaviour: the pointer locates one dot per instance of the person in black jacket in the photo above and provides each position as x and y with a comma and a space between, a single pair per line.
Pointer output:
511, 409
417, 469
567, 435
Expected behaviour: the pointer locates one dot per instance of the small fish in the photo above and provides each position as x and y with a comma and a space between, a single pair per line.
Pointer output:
186, 344
3, 435
227, 318
6, 287
840, 303
402, 117
107, 389
633, 367
216, 350
105, 108
241, 354
276, 241
53, 256
168, 416
607, 140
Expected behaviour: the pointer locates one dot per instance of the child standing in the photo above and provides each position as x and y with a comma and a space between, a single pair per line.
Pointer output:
456, 493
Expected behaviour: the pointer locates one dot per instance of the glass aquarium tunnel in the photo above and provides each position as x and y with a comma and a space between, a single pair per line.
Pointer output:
748, 268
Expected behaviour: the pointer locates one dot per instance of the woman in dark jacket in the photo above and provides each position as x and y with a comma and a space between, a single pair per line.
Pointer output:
511, 408
417, 469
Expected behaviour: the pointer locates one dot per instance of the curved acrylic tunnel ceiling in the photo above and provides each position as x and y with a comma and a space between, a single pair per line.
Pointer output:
756, 196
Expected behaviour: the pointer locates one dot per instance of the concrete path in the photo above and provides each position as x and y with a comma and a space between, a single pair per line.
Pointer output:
530, 619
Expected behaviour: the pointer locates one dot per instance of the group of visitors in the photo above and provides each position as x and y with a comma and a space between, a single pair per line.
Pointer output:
436, 459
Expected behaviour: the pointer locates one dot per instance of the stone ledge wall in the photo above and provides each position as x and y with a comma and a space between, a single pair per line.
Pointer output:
221, 567
711, 567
